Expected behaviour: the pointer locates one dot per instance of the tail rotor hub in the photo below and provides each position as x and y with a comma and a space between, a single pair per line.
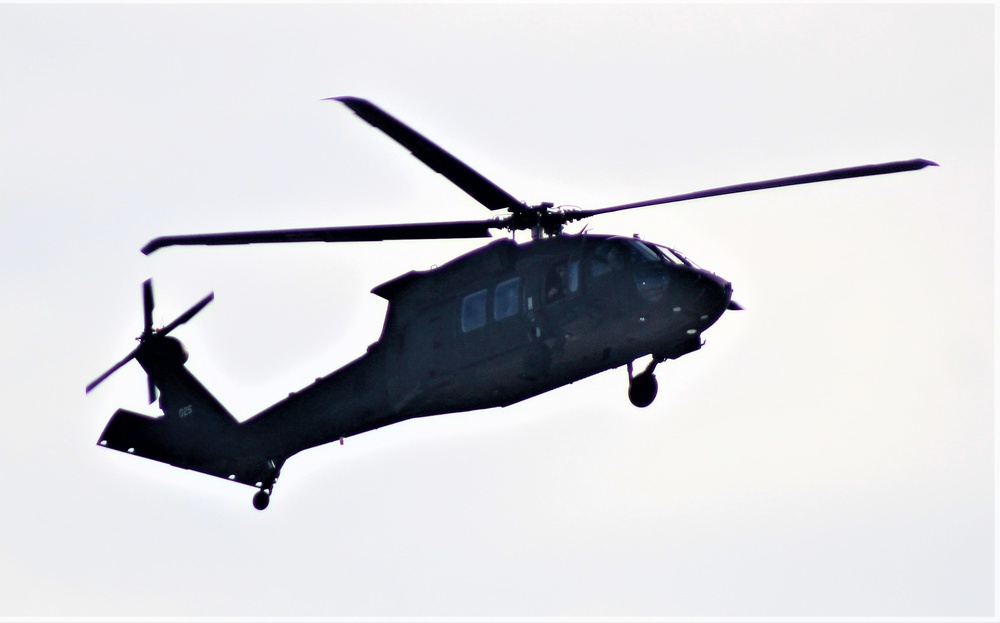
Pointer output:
155, 340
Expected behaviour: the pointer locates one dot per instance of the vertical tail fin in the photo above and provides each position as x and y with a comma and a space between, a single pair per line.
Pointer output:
195, 432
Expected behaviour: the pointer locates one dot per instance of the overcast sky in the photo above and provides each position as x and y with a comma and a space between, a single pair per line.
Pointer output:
829, 453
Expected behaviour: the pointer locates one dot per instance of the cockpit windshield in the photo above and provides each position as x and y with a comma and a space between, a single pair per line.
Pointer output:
648, 264
640, 252
616, 253
672, 256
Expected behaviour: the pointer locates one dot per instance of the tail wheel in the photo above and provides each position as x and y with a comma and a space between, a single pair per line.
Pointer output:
261, 499
642, 389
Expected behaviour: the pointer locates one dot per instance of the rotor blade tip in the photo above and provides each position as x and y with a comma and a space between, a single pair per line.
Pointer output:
349, 100
151, 246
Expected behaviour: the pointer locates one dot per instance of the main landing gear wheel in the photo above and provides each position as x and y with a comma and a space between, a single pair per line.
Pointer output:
642, 387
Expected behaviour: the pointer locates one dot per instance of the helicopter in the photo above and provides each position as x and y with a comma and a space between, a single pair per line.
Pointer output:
495, 326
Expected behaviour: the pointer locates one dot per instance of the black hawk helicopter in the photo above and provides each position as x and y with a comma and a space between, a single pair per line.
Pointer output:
495, 326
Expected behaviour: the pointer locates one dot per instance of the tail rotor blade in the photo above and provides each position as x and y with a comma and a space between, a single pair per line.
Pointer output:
147, 306
112, 370
150, 335
188, 315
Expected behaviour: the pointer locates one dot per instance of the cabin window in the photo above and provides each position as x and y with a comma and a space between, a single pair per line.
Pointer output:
474, 311
507, 298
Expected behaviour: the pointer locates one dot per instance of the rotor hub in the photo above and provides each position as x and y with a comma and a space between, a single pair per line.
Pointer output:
542, 220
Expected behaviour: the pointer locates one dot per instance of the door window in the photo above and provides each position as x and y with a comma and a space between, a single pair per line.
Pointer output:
563, 279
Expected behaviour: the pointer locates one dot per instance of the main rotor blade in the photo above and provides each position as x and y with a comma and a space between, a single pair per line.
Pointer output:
809, 178
460, 174
188, 315
363, 233
112, 370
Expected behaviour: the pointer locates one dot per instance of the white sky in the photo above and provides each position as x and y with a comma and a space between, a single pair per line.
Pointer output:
829, 453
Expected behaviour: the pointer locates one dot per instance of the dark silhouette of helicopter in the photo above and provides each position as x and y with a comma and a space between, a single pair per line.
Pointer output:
493, 327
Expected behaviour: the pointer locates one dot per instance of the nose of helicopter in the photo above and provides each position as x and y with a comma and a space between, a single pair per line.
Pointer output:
699, 297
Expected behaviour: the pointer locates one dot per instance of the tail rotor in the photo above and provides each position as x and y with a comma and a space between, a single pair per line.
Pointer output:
149, 335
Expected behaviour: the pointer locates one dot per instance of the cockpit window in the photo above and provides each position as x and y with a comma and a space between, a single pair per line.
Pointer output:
639, 252
617, 253
671, 255
684, 259
648, 264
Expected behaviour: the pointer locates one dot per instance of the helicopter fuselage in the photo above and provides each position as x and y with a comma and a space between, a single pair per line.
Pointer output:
501, 324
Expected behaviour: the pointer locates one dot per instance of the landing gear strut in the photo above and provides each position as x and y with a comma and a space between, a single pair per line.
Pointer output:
642, 387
